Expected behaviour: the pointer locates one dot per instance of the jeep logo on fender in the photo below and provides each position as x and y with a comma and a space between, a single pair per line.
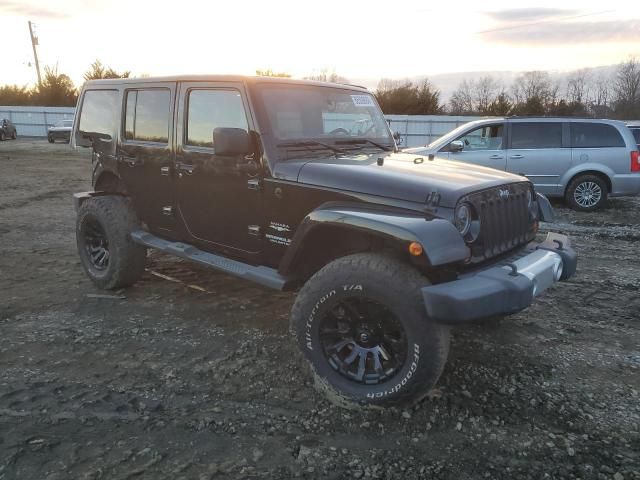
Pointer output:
504, 193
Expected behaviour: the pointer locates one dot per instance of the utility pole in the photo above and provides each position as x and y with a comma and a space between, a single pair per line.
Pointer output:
34, 42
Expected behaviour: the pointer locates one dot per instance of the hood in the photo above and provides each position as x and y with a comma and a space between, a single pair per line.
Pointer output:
403, 176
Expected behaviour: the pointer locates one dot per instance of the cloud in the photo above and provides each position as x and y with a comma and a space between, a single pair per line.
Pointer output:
529, 14
16, 7
555, 33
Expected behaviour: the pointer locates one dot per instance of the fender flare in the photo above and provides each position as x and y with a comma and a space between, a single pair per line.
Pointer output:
440, 240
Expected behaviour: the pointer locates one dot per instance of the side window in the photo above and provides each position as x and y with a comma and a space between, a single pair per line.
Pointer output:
536, 135
99, 112
210, 109
147, 115
487, 137
636, 135
594, 135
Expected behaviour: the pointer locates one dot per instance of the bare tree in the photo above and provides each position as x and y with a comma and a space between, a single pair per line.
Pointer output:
578, 86
326, 75
532, 85
461, 101
626, 87
485, 91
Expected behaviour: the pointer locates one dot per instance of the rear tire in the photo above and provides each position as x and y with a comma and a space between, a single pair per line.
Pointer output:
587, 193
109, 256
361, 324
50, 139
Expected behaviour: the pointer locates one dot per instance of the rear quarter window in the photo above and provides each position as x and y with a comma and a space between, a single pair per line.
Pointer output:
595, 135
99, 112
636, 134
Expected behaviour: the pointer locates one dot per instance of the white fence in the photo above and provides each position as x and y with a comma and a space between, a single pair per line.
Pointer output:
414, 129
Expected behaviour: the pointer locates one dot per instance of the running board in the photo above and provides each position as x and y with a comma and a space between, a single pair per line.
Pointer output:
266, 276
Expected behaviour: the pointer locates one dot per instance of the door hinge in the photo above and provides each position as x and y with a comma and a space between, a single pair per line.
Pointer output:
167, 210
254, 230
254, 184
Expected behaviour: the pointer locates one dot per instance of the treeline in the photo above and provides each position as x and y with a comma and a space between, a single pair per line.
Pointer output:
584, 93
56, 89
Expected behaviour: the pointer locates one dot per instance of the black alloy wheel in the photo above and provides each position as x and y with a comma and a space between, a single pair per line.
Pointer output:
363, 341
96, 244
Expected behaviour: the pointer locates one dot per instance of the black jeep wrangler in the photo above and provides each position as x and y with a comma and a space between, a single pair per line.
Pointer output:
300, 184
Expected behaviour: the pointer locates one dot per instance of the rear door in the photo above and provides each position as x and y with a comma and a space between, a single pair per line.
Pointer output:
145, 156
537, 151
483, 145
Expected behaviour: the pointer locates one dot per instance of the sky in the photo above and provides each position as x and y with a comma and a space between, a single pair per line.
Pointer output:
362, 41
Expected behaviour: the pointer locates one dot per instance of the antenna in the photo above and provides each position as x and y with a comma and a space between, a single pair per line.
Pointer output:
34, 42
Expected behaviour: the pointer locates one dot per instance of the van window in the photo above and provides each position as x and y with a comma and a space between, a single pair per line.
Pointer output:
636, 134
99, 112
209, 109
594, 135
536, 135
147, 115
487, 137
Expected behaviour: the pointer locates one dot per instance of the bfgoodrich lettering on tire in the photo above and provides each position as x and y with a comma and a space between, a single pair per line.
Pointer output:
109, 257
361, 324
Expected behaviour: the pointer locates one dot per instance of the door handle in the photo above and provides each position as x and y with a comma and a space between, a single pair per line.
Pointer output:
496, 157
131, 161
517, 155
187, 168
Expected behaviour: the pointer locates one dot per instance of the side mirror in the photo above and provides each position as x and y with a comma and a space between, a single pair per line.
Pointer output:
456, 146
231, 142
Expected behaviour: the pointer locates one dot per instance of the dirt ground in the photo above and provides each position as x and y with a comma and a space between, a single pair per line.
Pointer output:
196, 377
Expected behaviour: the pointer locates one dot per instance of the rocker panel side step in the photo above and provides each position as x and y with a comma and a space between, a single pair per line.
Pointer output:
266, 276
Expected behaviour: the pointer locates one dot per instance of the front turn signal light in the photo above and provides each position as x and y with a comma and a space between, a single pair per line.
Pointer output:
415, 249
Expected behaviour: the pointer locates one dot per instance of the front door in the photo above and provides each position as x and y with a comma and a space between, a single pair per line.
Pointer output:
219, 202
538, 152
482, 146
145, 155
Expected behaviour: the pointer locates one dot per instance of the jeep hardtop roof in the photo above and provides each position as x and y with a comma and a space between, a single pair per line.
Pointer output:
221, 78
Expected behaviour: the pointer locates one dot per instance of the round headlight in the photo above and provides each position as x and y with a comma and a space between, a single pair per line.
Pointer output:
462, 219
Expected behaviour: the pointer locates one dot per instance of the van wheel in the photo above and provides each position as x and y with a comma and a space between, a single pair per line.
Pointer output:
586, 193
109, 256
361, 324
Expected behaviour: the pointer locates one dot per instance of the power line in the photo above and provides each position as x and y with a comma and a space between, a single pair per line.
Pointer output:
549, 20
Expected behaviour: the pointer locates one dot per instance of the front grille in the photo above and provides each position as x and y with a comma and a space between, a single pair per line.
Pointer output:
505, 221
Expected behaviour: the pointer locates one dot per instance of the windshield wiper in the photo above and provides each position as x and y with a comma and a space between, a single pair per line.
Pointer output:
311, 143
360, 141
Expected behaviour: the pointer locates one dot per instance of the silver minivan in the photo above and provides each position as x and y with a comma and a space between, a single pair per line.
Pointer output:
583, 160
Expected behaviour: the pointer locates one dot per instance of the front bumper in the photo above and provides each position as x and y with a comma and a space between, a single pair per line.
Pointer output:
504, 288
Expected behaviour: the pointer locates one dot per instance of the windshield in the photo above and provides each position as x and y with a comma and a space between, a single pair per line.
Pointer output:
326, 116
452, 135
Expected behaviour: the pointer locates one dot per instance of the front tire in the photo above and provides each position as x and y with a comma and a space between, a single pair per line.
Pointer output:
361, 324
2, 136
586, 193
50, 139
109, 256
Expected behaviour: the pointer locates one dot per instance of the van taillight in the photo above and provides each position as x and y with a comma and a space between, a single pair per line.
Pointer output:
635, 161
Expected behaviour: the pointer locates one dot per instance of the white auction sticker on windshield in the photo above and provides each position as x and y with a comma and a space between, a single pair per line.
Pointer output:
362, 100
